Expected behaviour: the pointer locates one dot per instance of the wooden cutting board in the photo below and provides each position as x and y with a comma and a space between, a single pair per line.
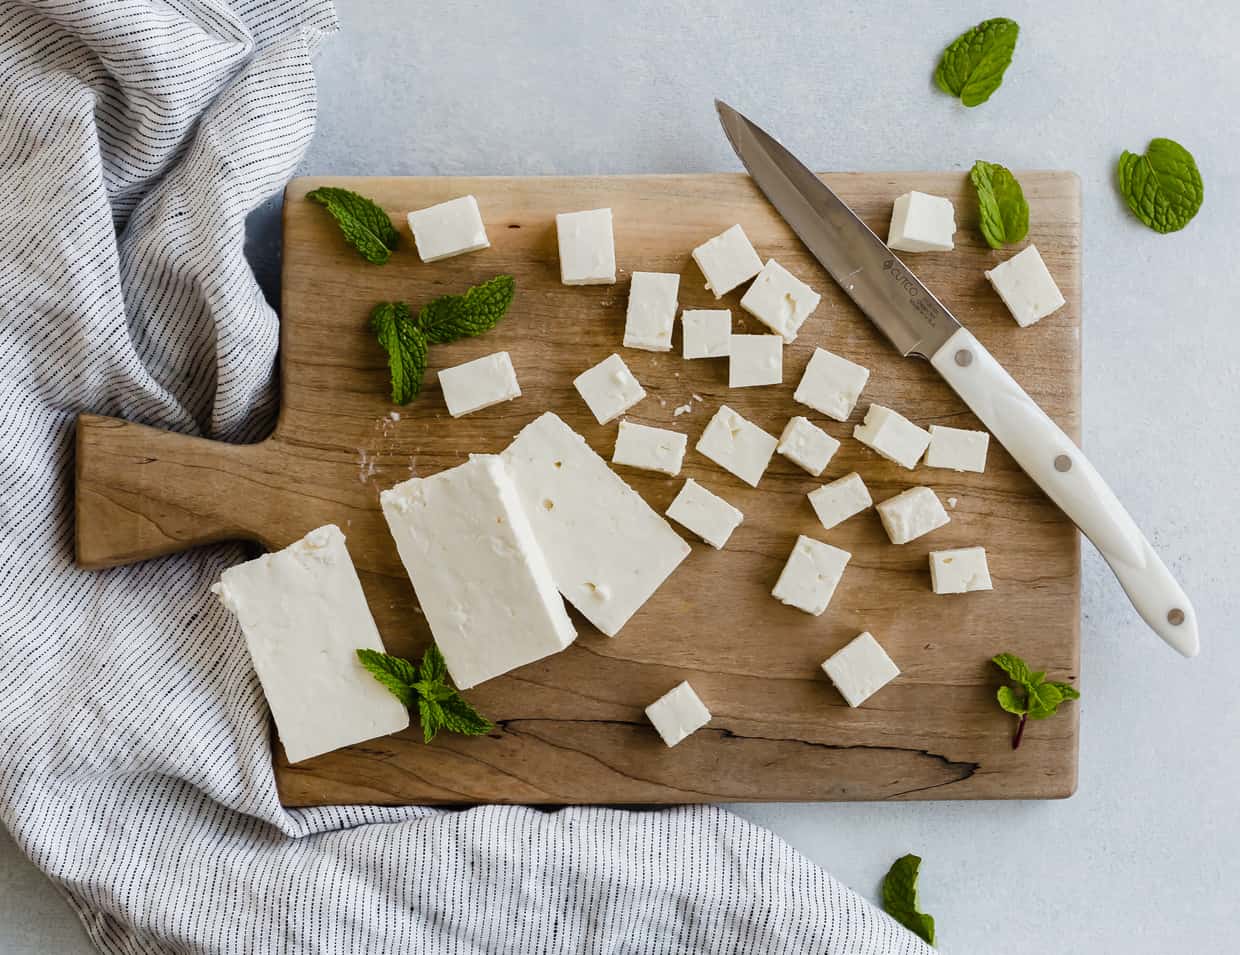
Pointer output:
571, 729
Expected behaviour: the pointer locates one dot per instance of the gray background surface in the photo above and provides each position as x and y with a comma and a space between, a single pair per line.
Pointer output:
1144, 858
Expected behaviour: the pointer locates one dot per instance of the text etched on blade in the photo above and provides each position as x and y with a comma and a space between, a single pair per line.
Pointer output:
918, 297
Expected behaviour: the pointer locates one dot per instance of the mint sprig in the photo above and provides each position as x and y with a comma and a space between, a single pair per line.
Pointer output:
440, 706
1033, 697
1163, 188
1004, 213
900, 897
973, 64
365, 226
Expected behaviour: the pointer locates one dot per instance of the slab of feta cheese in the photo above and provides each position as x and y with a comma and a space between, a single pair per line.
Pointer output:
959, 571
836, 502
447, 229
755, 360
707, 332
893, 436
678, 713
304, 616
807, 445
653, 449
587, 247
608, 550
860, 669
922, 223
737, 445
779, 300
481, 577
831, 384
479, 384
911, 514
727, 260
609, 388
810, 576
709, 516
957, 449
1026, 287
652, 311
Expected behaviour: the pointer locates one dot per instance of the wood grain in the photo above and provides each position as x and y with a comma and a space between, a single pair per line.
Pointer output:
571, 729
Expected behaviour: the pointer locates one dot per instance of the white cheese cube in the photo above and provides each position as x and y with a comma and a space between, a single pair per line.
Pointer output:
709, 516
651, 311
959, 571
707, 332
922, 223
779, 300
831, 384
810, 576
755, 360
807, 445
587, 247
957, 449
653, 449
678, 713
608, 550
727, 260
893, 436
911, 514
836, 502
609, 388
860, 669
1026, 287
304, 617
737, 445
479, 384
447, 229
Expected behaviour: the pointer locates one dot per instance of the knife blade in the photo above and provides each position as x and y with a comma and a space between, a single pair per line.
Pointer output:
919, 325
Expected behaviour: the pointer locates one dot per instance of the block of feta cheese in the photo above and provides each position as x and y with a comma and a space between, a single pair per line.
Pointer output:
1026, 287
779, 300
447, 229
678, 713
707, 332
609, 388
755, 360
479, 384
836, 502
587, 248
860, 669
482, 579
959, 571
727, 260
807, 445
922, 223
608, 550
737, 445
652, 311
831, 384
911, 514
709, 516
304, 617
893, 436
957, 449
810, 575
653, 449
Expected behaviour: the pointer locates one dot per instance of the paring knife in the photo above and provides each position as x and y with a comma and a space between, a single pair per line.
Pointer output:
904, 310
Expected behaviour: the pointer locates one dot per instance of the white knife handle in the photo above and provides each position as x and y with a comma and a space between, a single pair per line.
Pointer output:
1060, 468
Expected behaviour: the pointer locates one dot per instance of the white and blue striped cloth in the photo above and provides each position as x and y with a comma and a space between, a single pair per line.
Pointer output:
135, 768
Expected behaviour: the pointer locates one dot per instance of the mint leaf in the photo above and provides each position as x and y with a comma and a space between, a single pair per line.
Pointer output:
1013, 666
1163, 188
430, 715
973, 65
900, 897
366, 227
460, 717
393, 672
1033, 698
433, 668
393, 325
1004, 212
1044, 699
478, 310
1011, 702
1068, 691
440, 706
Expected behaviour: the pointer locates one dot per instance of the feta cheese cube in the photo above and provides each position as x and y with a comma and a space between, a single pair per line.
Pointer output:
755, 360
831, 384
922, 223
587, 247
810, 576
709, 516
911, 514
957, 449
479, 384
609, 388
447, 229
860, 669
836, 502
727, 260
779, 300
678, 713
654, 449
707, 332
737, 445
1026, 287
893, 436
652, 311
959, 571
807, 445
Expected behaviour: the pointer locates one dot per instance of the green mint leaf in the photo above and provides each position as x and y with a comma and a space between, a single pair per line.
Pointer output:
1011, 702
478, 310
1038, 678
366, 227
436, 692
406, 346
1044, 700
1016, 668
430, 715
433, 668
1067, 690
460, 717
1004, 212
973, 65
1163, 188
900, 897
394, 673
